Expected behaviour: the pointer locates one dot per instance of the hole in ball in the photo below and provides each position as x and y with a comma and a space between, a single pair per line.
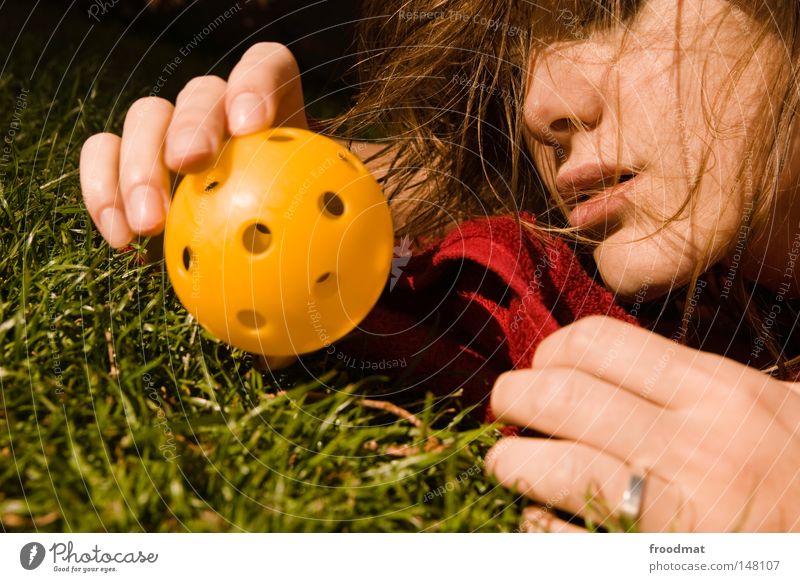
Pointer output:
256, 238
251, 318
211, 185
331, 204
280, 137
326, 285
187, 258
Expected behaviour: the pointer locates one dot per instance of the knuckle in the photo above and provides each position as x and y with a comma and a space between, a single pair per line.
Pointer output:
750, 471
592, 323
587, 331
138, 172
135, 175
571, 465
763, 388
550, 385
658, 444
579, 339
574, 339
707, 362
554, 394
747, 401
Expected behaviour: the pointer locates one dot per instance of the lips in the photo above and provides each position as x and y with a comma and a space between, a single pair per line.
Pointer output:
596, 190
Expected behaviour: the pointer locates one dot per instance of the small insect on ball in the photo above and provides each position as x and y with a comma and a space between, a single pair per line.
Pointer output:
283, 246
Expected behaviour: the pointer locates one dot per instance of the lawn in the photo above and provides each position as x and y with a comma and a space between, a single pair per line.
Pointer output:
119, 413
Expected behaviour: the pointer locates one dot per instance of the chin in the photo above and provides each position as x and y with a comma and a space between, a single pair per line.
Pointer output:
634, 273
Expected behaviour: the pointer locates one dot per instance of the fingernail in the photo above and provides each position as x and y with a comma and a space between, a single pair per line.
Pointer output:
246, 114
113, 227
189, 142
146, 205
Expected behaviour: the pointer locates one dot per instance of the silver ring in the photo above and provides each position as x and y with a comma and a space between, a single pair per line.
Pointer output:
631, 505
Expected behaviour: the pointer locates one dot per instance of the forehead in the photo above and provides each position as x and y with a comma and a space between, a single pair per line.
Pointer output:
697, 26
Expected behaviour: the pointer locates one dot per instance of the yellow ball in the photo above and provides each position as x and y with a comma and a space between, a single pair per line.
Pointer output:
283, 246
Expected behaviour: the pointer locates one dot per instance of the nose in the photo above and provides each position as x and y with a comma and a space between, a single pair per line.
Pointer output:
565, 94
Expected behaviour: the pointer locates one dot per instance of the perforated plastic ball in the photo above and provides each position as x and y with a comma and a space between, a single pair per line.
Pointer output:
283, 246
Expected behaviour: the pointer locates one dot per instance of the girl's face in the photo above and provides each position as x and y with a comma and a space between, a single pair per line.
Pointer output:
655, 106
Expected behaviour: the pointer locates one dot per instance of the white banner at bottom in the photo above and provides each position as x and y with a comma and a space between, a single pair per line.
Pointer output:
400, 557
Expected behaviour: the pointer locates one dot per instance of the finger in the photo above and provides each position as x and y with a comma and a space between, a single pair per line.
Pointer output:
264, 90
572, 404
641, 361
583, 481
99, 171
143, 177
538, 519
198, 125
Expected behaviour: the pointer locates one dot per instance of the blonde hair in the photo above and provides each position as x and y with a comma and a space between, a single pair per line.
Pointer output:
446, 80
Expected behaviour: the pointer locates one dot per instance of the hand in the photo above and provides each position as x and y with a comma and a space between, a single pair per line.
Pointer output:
125, 181
718, 441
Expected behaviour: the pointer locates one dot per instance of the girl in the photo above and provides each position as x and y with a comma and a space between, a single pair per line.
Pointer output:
660, 135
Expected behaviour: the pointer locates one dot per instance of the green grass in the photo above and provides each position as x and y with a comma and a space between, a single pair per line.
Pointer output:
118, 413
